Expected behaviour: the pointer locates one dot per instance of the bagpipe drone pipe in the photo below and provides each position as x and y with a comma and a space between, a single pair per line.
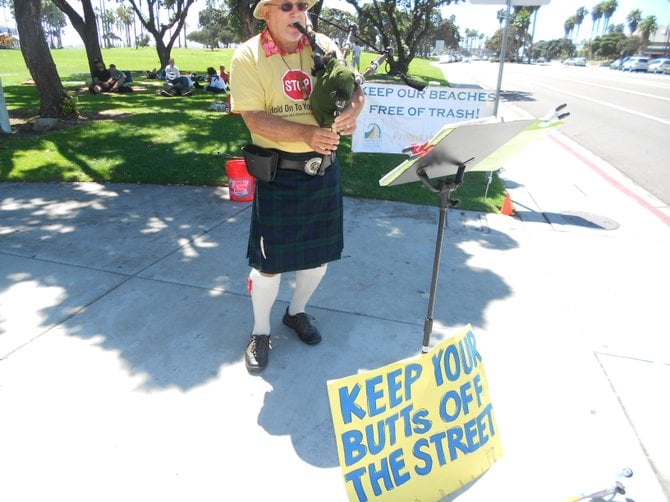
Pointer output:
335, 80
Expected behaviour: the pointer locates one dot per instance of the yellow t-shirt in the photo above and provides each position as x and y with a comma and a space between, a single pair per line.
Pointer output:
279, 84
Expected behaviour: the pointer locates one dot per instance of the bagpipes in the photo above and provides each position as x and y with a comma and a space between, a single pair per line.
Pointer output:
335, 80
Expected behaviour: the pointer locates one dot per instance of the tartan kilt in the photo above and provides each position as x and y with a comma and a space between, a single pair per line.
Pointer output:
296, 221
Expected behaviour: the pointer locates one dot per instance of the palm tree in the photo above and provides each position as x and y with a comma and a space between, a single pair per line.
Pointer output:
468, 38
647, 27
501, 17
596, 14
533, 10
108, 19
633, 19
124, 20
469, 34
569, 25
579, 17
609, 8
521, 24
53, 21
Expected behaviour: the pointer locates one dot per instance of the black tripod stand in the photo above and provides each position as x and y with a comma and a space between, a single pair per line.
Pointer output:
440, 165
444, 187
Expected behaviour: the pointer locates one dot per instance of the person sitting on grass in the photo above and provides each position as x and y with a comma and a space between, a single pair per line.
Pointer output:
120, 76
103, 80
175, 83
224, 74
216, 83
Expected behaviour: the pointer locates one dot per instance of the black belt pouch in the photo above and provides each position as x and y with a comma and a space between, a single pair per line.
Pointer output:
261, 162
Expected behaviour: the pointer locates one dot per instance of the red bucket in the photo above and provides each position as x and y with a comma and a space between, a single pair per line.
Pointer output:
240, 183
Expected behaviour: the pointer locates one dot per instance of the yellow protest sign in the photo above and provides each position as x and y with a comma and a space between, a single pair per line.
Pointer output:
418, 429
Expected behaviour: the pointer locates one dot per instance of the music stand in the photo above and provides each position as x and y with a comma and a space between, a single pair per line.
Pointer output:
440, 165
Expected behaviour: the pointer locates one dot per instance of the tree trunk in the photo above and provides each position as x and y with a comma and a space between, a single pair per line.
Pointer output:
162, 50
158, 29
38, 58
86, 27
248, 23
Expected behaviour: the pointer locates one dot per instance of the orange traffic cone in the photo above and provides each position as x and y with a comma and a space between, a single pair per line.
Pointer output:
507, 208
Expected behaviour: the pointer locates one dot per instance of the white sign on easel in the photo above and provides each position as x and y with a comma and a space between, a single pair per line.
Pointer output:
4, 116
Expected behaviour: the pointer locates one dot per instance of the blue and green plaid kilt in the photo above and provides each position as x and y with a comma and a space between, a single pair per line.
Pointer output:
296, 221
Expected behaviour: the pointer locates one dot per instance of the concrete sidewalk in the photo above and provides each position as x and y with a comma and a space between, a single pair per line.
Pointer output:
124, 316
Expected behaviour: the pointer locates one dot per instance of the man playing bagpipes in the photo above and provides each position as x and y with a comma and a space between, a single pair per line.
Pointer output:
296, 222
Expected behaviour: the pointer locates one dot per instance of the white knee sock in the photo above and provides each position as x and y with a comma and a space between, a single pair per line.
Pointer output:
306, 282
263, 290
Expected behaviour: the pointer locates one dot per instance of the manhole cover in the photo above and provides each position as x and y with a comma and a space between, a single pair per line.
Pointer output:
588, 220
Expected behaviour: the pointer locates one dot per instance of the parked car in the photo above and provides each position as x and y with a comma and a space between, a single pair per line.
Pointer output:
618, 64
576, 61
635, 63
659, 65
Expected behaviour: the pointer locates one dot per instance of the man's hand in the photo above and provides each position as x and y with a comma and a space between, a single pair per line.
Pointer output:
323, 141
345, 122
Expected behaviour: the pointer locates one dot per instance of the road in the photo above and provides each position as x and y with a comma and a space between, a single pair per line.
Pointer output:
624, 118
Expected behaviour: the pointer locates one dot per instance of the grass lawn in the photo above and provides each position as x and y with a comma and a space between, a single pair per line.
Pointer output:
141, 137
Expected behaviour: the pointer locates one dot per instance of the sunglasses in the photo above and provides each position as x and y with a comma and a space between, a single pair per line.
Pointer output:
288, 6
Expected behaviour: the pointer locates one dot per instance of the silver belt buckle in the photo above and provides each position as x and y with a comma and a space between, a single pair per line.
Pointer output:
313, 166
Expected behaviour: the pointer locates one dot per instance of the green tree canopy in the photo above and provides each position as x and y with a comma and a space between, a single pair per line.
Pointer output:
448, 31
556, 49
215, 28
403, 25
610, 45
334, 22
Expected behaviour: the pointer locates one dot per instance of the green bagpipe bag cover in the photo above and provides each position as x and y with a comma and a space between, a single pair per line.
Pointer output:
333, 81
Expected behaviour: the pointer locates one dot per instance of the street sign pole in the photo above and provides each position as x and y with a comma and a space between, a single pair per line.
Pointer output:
503, 53
503, 45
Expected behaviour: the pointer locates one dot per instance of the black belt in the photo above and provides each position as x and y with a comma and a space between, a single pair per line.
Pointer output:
310, 164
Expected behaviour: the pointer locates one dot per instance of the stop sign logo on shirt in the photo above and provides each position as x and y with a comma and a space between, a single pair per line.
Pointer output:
294, 82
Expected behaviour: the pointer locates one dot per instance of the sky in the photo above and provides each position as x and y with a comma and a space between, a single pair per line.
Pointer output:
550, 18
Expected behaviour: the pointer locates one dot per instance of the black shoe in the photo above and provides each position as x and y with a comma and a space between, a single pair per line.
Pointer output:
301, 324
256, 355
